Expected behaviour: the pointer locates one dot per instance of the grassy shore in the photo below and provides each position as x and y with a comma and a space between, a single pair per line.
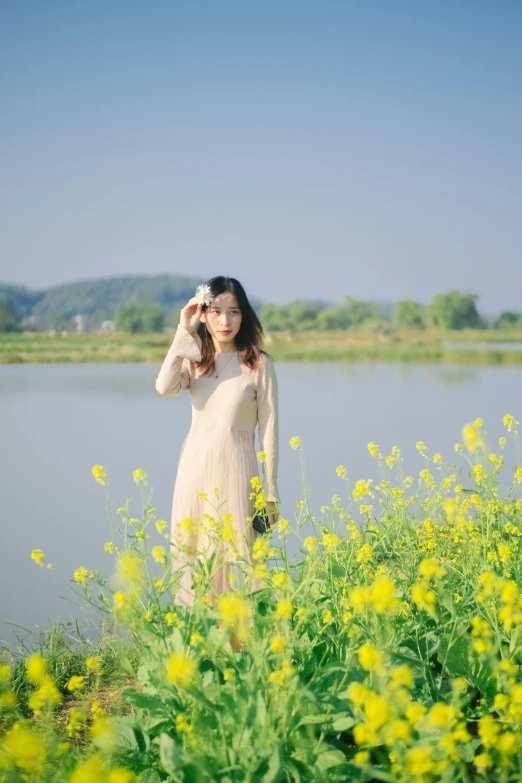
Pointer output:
352, 345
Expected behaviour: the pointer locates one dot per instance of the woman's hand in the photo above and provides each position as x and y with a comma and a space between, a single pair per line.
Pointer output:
272, 512
189, 315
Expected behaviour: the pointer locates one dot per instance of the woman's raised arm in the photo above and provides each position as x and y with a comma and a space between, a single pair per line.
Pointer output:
174, 376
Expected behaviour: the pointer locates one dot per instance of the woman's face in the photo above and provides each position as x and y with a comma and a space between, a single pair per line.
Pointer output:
223, 319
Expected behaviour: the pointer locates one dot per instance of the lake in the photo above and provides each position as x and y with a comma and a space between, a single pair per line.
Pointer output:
57, 421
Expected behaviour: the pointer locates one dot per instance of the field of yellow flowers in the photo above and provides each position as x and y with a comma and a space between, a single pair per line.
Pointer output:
389, 650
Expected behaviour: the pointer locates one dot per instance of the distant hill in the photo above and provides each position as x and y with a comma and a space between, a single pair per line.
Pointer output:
98, 299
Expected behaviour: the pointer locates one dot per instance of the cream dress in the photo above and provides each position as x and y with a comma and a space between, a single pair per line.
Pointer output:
219, 452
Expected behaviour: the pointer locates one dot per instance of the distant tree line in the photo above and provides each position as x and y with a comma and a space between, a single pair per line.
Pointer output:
150, 308
452, 310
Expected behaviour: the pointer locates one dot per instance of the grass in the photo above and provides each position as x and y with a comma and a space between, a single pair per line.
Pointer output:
350, 346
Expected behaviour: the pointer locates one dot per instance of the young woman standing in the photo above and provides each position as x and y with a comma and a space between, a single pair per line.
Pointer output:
217, 355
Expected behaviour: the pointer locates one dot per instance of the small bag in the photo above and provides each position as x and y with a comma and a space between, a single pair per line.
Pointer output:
260, 523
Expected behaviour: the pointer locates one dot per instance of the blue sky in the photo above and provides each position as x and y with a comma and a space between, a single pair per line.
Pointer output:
310, 149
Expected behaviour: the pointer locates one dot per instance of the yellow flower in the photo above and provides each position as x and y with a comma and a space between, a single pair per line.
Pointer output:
187, 526
364, 554
80, 575
360, 598
419, 761
128, 569
158, 554
373, 448
437, 459
121, 775
421, 447
442, 715
518, 475
282, 526
509, 422
310, 543
233, 610
47, 694
202, 495
139, 476
26, 748
260, 548
430, 567
327, 616
91, 771
284, 609
181, 669
195, 639
369, 657
75, 683
38, 556
282, 579
341, 471
331, 540
93, 663
160, 525
109, 547
36, 668
255, 483
488, 730
99, 474
261, 455
277, 644
482, 762
295, 442
229, 675
383, 595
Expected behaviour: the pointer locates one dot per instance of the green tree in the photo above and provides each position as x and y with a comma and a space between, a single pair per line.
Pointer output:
408, 314
9, 317
139, 318
508, 320
454, 310
351, 313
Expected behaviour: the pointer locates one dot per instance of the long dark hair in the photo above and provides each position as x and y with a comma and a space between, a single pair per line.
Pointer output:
249, 339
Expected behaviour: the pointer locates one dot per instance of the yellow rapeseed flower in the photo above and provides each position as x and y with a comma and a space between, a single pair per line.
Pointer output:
99, 474
158, 554
261, 455
181, 669
75, 683
139, 476
233, 610
284, 609
160, 525
369, 657
295, 442
36, 668
38, 556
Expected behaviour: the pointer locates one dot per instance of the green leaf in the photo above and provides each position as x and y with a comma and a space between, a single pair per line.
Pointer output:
466, 752
330, 758
261, 709
145, 701
149, 776
275, 770
343, 723
171, 756
299, 771
456, 656
338, 570
315, 719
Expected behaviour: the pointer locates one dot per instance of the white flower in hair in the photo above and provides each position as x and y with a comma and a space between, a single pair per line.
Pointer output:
204, 294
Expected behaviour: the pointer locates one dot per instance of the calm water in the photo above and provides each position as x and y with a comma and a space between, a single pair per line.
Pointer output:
58, 421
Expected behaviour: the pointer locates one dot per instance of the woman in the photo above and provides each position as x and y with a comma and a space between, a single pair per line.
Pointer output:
217, 355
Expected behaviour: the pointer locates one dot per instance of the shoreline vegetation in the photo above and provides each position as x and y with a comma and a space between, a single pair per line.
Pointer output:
463, 346
390, 651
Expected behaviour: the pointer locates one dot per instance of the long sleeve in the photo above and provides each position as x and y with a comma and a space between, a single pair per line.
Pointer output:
268, 425
174, 377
